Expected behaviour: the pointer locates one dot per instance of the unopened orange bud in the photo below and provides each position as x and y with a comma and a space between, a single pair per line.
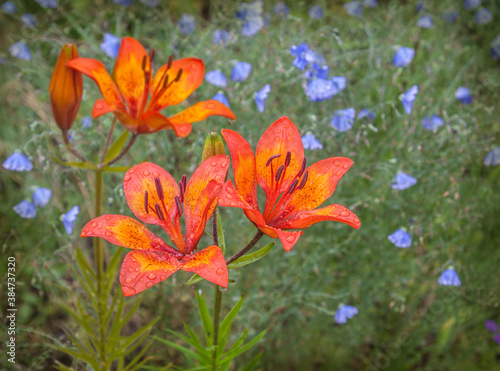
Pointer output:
213, 146
66, 89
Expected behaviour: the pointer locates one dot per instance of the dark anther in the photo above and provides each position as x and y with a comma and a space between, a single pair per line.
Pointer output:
279, 172
302, 168
184, 182
146, 202
179, 74
144, 59
304, 180
182, 186
159, 188
147, 76
271, 159
288, 159
293, 186
165, 82
159, 213
152, 55
179, 205
170, 60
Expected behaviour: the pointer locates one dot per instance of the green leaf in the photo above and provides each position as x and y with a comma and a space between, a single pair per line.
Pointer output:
251, 258
225, 327
116, 147
220, 232
244, 348
205, 318
83, 263
190, 355
194, 278
197, 345
80, 165
116, 169
252, 364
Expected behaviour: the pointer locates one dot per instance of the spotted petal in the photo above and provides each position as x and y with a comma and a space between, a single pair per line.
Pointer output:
209, 263
102, 107
304, 219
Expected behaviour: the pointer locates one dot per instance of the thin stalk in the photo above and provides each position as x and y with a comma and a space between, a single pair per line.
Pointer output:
72, 150
124, 151
217, 297
247, 248
108, 141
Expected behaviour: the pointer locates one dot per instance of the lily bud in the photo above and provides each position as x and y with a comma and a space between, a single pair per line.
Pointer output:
66, 89
213, 146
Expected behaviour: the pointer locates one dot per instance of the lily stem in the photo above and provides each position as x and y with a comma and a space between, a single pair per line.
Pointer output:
108, 141
217, 298
72, 150
124, 150
247, 248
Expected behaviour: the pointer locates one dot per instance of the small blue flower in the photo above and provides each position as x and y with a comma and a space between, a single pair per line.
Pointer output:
221, 98
123, 2
340, 82
261, 96
48, 3
449, 278
343, 119
25, 209
187, 23
450, 16
217, 78
463, 95
318, 89
317, 71
403, 56
87, 122
400, 238
316, 12
408, 98
221, 37
69, 218
420, 6
354, 8
492, 158
41, 196
241, 71
432, 123
491, 326
369, 3
309, 141
251, 14
403, 181
281, 9
29, 20
344, 313
425, 22
150, 3
483, 16
17, 162
20, 50
9, 7
111, 45
303, 54
495, 47
366, 113
471, 4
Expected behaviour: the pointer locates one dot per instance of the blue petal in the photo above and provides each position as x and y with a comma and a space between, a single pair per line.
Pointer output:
249, 9
20, 50
354, 8
471, 4
449, 278
425, 22
17, 162
403, 181
187, 23
432, 123
340, 82
400, 238
403, 56
463, 95
150, 3
344, 313
483, 16
309, 141
318, 90
48, 3
281, 9
495, 47
369, 3
316, 12
408, 98
366, 113
450, 16
69, 219
29, 20
87, 122
123, 2
343, 119
41, 196
493, 157
221, 98
111, 45
241, 71
9, 7
25, 209
252, 25
318, 71
221, 37
261, 96
298, 50
216, 78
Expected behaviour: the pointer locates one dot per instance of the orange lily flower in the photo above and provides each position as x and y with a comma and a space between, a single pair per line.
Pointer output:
292, 191
155, 198
127, 96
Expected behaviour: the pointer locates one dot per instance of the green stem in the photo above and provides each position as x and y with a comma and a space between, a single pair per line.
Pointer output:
217, 298
247, 248
72, 150
124, 151
108, 141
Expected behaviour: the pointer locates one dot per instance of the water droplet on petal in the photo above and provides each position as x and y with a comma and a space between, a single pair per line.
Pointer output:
146, 173
126, 178
211, 106
346, 166
128, 279
213, 163
229, 197
220, 271
277, 139
356, 220
345, 213
131, 269
108, 217
163, 277
290, 239
137, 269
156, 174
152, 276
231, 121
222, 289
109, 234
94, 224
223, 164
149, 284
131, 171
128, 290
99, 106
339, 173
336, 162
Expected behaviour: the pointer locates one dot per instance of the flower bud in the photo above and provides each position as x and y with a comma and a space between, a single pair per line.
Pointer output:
213, 146
65, 89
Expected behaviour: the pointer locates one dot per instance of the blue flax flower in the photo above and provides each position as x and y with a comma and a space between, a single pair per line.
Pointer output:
241, 71
123, 2
483, 16
496, 338
344, 313
9, 7
425, 22
221, 37
491, 326
354, 8
69, 218
150, 3
111, 45
449, 278
492, 158
316, 12
41, 196
261, 96
17, 162
281, 9
495, 47
303, 55
48, 3
310, 142
317, 71
370, 115
87, 122
471, 4
220, 97
450, 16
251, 14
463, 95
408, 98
29, 20
400, 238
217, 78
432, 123
25, 209
20, 50
403, 181
187, 23
343, 119
369, 3
403, 56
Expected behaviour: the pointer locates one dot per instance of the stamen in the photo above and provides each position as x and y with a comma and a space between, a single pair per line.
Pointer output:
304, 180
293, 186
271, 159
159, 213
165, 83
159, 188
179, 205
288, 159
152, 55
179, 74
144, 63
182, 185
302, 168
184, 182
170, 60
146, 202
279, 172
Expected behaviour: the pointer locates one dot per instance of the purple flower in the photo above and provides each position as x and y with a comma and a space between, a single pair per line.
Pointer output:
496, 338
9, 7
400, 238
403, 56
25, 209
217, 78
316, 12
495, 47
261, 96
111, 45
221, 98
69, 219
221, 37
450, 16
48, 3
343, 119
28, 19
20, 50
17, 162
492, 158
449, 278
187, 23
281, 9
425, 22
318, 89
41, 196
432, 123
310, 142
303, 54
403, 181
354, 8
408, 98
344, 313
241, 71
87, 122
317, 71
483, 16
369, 3
463, 95
471, 4
491, 326
366, 113
251, 14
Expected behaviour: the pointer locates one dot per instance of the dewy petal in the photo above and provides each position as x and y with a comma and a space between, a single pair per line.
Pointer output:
130, 75
191, 78
288, 239
101, 107
153, 121
97, 72
209, 263
304, 219
142, 269
281, 137
243, 162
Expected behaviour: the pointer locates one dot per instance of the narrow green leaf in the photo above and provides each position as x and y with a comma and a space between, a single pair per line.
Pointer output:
116, 147
239, 342
193, 336
225, 327
194, 278
116, 169
251, 258
136, 335
84, 264
220, 233
244, 348
79, 165
252, 364
199, 348
190, 355
205, 318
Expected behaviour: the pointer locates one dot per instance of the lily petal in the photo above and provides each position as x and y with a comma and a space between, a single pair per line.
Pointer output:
142, 270
152, 122
243, 162
288, 239
281, 137
305, 219
209, 263
101, 107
